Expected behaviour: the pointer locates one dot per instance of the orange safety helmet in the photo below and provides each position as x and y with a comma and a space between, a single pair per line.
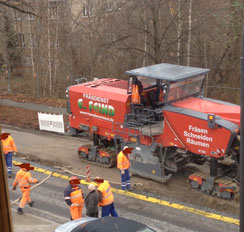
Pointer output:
99, 180
74, 180
4, 135
127, 150
25, 166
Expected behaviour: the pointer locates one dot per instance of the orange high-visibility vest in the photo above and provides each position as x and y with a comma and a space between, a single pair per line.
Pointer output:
108, 197
76, 197
24, 178
135, 98
8, 145
161, 95
122, 161
133, 91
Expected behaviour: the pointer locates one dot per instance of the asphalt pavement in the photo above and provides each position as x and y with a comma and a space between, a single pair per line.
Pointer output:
50, 210
29, 223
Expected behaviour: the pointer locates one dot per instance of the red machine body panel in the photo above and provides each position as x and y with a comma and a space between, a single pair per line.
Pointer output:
99, 104
225, 110
193, 134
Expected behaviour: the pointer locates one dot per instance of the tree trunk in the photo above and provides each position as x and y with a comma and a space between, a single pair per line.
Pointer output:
145, 36
179, 30
189, 34
155, 13
32, 59
49, 50
55, 54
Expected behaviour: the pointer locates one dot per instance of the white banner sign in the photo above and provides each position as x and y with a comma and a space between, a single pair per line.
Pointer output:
51, 122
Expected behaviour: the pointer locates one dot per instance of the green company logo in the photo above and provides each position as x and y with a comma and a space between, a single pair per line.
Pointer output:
80, 103
98, 107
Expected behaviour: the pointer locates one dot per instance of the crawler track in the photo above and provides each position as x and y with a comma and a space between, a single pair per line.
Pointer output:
96, 160
222, 187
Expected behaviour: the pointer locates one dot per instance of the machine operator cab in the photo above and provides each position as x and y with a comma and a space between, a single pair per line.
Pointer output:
152, 92
162, 84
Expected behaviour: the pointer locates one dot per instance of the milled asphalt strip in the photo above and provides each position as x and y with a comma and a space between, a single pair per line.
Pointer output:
150, 199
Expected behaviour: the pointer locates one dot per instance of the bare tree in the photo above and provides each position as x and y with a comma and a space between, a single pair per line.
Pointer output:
189, 33
95, 38
20, 5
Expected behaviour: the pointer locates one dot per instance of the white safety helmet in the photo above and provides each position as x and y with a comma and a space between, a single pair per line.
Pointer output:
125, 147
91, 187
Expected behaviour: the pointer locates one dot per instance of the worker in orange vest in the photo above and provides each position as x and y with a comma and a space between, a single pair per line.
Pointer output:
9, 149
74, 198
135, 98
123, 165
105, 198
24, 179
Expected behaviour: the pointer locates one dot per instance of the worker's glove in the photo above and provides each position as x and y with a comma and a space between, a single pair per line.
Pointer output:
15, 153
14, 188
122, 171
37, 181
72, 206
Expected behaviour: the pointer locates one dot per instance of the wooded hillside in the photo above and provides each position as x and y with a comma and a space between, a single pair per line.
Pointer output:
46, 44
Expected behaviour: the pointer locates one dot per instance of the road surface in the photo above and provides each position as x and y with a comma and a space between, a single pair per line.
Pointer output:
49, 204
173, 209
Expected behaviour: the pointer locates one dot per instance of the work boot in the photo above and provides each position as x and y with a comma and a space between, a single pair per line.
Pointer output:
31, 203
20, 210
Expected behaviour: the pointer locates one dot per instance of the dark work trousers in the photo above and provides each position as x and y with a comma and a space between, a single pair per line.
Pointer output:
8, 158
109, 209
125, 180
95, 215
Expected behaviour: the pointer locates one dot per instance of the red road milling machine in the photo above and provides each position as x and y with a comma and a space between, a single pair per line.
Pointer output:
172, 125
